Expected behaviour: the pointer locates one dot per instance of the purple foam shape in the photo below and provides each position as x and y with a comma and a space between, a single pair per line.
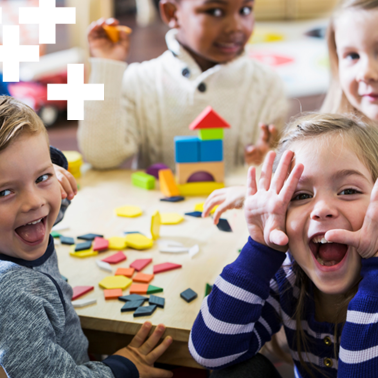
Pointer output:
201, 177
154, 169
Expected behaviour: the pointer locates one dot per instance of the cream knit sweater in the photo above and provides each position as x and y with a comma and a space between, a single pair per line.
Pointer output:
149, 103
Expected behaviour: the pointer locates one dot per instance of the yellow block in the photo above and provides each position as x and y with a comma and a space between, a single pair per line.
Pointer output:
113, 31
199, 207
75, 160
82, 254
171, 218
117, 242
139, 241
155, 225
199, 188
129, 211
115, 282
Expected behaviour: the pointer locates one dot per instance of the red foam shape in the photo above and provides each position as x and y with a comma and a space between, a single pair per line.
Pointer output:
78, 291
209, 119
100, 244
115, 258
160, 268
140, 264
272, 60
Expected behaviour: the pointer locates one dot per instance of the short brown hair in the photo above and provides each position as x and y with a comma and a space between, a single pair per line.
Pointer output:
16, 118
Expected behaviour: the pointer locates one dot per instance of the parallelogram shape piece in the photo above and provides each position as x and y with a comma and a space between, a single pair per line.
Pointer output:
144, 311
115, 258
78, 291
90, 237
140, 264
132, 305
165, 267
132, 297
158, 301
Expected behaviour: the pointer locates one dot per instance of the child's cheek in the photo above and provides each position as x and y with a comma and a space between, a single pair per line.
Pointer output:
295, 224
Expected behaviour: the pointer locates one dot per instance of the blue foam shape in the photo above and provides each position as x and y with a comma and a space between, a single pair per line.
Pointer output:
211, 150
187, 149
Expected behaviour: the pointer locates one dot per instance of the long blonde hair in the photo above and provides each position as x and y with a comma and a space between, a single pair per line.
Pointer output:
363, 139
336, 101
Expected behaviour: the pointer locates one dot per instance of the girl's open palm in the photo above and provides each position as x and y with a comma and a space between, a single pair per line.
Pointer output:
267, 202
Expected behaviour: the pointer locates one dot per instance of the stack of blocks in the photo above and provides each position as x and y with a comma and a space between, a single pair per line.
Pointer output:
201, 156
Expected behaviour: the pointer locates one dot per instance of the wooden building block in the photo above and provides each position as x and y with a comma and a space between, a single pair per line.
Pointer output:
139, 288
143, 180
129, 211
127, 272
78, 291
185, 170
187, 149
210, 134
117, 242
139, 241
140, 264
112, 293
167, 183
199, 188
155, 225
209, 119
113, 31
115, 282
211, 150
115, 258
165, 267
143, 277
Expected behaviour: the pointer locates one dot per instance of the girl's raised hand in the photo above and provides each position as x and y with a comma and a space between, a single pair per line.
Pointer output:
101, 46
266, 203
365, 240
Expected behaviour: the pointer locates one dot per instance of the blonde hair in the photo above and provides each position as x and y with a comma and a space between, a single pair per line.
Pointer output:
362, 138
336, 101
17, 118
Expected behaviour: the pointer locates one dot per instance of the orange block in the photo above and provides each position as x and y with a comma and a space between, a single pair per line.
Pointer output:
139, 288
168, 184
127, 272
143, 277
112, 293
113, 31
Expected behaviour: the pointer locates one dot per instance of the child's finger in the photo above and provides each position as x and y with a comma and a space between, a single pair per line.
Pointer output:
343, 237
63, 193
219, 211
152, 340
291, 183
266, 171
251, 182
209, 205
282, 171
72, 181
111, 21
141, 335
159, 350
278, 237
264, 133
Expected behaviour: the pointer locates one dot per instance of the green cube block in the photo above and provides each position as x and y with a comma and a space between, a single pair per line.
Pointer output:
210, 134
143, 180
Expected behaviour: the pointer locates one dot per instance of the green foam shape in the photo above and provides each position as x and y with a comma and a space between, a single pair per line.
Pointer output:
208, 289
143, 180
154, 289
55, 234
210, 134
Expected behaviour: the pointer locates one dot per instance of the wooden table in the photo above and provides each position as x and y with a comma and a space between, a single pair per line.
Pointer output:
92, 211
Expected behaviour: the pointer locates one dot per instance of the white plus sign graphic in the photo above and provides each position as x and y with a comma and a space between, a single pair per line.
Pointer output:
12, 53
75, 92
47, 16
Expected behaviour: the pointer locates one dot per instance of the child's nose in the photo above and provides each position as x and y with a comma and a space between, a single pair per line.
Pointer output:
323, 210
32, 201
234, 24
368, 70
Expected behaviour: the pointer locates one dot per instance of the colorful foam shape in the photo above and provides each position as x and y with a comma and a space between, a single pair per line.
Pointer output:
188, 295
171, 218
155, 225
157, 301
115, 258
140, 264
104, 266
143, 180
55, 234
154, 169
82, 254
132, 305
100, 244
168, 184
83, 302
90, 236
223, 225
154, 289
115, 282
209, 119
199, 207
117, 242
66, 240
132, 297
139, 288
79, 291
191, 172
208, 289
199, 188
112, 293
165, 267
129, 211
83, 246
195, 214
139, 241
127, 272
144, 311
187, 149
143, 277
201, 177
112, 32
210, 134
211, 150
173, 199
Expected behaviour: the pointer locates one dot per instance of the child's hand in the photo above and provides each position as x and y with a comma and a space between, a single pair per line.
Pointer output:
143, 353
255, 154
266, 205
68, 186
228, 198
365, 240
100, 46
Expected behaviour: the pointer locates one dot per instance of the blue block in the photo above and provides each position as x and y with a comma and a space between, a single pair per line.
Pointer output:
187, 149
211, 150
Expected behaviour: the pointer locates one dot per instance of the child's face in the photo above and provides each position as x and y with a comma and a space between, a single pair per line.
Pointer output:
333, 193
356, 35
215, 30
29, 192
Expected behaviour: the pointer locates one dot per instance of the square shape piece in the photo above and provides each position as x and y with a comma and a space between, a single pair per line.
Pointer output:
188, 295
211, 150
187, 149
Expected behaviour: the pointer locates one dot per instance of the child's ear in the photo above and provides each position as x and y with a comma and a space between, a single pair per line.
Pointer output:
168, 10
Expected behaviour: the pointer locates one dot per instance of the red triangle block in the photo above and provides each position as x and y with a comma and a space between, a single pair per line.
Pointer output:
160, 268
115, 258
209, 119
78, 291
140, 264
100, 244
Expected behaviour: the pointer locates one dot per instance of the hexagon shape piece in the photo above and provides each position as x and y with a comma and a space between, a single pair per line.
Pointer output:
117, 242
171, 218
115, 282
82, 254
155, 225
129, 211
139, 241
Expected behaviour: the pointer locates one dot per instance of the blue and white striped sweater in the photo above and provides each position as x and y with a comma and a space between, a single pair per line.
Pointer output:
256, 294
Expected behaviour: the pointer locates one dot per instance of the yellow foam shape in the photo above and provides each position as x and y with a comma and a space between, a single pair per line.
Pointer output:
155, 225
199, 207
113, 31
199, 188
117, 242
139, 241
129, 211
75, 160
115, 282
82, 254
171, 218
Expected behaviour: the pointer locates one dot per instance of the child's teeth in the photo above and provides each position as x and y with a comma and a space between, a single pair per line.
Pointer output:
320, 261
35, 222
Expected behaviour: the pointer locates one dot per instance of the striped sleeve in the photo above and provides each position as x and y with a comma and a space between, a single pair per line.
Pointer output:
236, 319
359, 339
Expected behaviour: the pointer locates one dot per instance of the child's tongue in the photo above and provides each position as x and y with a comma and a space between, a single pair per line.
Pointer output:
332, 252
32, 232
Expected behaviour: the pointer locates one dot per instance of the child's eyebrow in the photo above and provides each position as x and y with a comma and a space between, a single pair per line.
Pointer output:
10, 183
336, 176
224, 1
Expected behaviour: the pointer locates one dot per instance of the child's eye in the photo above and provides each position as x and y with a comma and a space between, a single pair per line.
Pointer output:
301, 196
216, 12
42, 178
349, 192
246, 11
352, 56
5, 193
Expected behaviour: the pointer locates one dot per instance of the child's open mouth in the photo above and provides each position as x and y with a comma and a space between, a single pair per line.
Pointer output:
32, 233
327, 253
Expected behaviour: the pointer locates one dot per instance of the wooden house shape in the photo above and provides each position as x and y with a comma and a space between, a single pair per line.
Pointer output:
199, 160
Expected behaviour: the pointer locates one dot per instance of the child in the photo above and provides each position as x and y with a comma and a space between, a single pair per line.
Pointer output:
40, 331
321, 206
149, 103
352, 37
